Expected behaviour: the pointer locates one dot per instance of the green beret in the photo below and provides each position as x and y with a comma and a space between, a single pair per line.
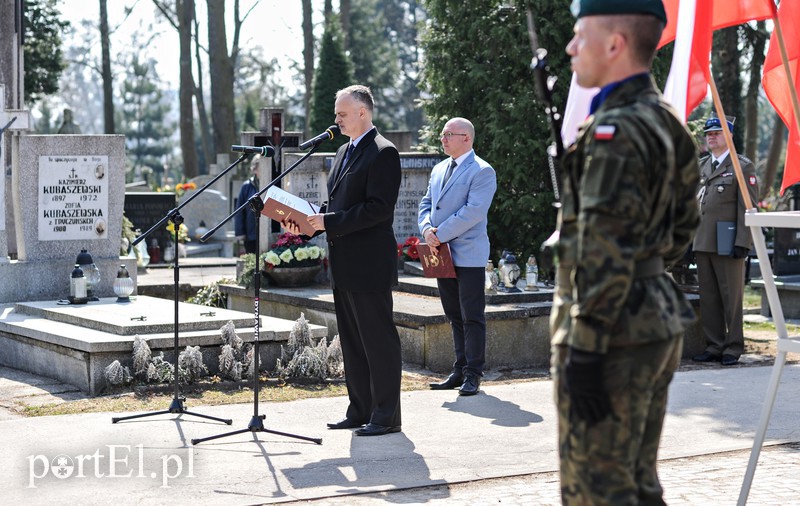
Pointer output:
581, 8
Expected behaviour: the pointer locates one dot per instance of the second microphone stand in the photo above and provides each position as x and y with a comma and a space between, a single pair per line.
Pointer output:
256, 205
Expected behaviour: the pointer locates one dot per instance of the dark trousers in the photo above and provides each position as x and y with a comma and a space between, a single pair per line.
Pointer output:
250, 246
373, 363
464, 303
721, 280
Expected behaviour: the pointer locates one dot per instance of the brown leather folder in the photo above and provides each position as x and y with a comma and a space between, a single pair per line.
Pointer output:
279, 211
439, 265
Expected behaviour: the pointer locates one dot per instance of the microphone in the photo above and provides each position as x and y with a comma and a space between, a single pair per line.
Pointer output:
328, 134
261, 150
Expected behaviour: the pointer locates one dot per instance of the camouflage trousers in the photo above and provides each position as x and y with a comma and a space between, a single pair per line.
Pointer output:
614, 461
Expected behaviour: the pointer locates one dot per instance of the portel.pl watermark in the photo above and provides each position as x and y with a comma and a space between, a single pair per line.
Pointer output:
111, 462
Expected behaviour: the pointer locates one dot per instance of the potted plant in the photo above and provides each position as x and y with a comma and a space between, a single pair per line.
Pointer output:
290, 261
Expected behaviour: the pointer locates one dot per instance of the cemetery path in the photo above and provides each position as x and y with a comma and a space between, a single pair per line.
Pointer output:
19, 389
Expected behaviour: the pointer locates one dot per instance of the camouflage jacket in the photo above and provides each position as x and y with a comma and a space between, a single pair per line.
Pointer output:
629, 185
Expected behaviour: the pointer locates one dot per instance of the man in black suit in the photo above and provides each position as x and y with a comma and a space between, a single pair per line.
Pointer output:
362, 191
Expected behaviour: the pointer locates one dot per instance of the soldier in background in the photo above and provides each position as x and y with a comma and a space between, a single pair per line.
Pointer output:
721, 247
628, 210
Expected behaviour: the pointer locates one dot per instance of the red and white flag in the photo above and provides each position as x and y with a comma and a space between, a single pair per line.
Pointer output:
776, 85
690, 23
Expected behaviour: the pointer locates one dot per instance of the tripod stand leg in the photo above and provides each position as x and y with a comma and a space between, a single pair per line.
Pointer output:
257, 425
175, 408
131, 417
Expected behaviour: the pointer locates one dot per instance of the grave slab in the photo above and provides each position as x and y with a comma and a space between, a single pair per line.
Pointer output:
74, 343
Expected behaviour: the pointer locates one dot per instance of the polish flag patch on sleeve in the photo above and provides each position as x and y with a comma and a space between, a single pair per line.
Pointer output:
604, 132
752, 180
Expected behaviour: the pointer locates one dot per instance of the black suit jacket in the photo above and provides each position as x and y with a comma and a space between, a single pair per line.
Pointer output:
359, 213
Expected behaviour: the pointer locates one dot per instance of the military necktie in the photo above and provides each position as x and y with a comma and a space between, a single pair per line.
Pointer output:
449, 172
714, 165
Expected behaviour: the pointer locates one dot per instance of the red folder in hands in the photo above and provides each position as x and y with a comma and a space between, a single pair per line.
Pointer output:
439, 265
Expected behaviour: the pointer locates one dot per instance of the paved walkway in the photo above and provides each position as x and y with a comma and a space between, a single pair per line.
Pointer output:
494, 448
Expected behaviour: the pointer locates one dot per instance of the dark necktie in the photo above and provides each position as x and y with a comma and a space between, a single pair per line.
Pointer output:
349, 153
714, 165
449, 172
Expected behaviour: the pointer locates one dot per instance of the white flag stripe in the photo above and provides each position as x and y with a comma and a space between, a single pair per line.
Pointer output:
576, 110
677, 88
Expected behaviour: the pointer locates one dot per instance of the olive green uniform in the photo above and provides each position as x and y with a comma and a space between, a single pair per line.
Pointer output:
721, 277
628, 209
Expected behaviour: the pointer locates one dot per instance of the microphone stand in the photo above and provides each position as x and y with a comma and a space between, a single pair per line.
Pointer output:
256, 204
174, 216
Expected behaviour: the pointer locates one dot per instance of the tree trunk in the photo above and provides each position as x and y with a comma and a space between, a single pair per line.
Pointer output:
328, 9
186, 88
773, 157
108, 84
202, 112
725, 63
344, 14
221, 75
308, 61
758, 38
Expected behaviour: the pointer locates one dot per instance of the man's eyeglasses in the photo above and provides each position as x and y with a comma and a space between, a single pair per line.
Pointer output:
449, 135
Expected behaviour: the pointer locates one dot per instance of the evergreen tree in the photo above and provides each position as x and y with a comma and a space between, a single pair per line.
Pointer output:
332, 73
375, 61
477, 65
44, 61
147, 132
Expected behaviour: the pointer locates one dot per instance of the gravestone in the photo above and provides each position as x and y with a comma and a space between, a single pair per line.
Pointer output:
68, 195
145, 209
209, 208
310, 181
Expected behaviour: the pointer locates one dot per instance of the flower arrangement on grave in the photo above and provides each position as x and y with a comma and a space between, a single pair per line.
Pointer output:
183, 232
291, 251
408, 249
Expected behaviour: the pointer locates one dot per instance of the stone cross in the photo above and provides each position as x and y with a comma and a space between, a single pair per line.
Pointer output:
11, 120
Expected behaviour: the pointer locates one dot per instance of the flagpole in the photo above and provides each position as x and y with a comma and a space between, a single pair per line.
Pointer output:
787, 69
729, 141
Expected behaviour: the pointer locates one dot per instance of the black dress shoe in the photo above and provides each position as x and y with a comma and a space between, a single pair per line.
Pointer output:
373, 429
345, 424
729, 360
471, 385
452, 381
706, 356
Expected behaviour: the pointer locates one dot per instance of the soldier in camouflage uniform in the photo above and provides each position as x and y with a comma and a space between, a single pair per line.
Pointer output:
628, 210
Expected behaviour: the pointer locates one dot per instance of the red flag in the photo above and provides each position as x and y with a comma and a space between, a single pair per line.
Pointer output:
776, 85
724, 13
691, 27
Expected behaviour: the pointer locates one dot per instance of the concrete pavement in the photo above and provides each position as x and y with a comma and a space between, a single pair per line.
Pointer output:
499, 446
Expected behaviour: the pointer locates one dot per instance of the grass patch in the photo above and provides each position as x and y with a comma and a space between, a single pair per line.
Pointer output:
769, 326
752, 297
207, 393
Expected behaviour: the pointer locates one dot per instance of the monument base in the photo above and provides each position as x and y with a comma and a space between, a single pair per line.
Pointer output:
49, 279
788, 292
517, 324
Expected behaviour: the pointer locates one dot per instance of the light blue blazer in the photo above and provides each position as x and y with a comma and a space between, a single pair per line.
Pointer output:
458, 209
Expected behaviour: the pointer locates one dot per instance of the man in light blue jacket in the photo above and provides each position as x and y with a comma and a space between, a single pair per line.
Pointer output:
454, 211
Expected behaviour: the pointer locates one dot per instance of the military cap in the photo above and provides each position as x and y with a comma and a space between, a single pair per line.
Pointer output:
714, 125
581, 8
